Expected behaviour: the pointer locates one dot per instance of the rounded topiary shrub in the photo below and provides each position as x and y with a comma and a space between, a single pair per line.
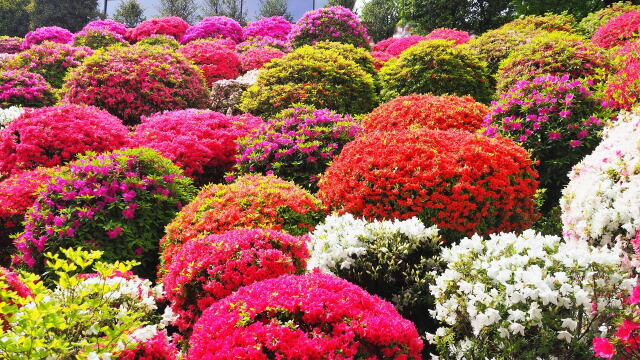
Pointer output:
52, 33
436, 67
334, 23
249, 202
215, 27
314, 317
97, 38
210, 268
256, 58
52, 136
465, 183
618, 30
316, 77
171, 26
457, 36
297, 145
215, 60
18, 87
201, 142
400, 45
107, 25
265, 42
427, 111
383, 45
380, 58
10, 45
546, 22
139, 80
276, 27
592, 22
360, 56
556, 53
160, 40
117, 202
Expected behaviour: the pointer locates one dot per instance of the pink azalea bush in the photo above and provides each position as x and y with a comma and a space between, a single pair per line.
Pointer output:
256, 58
384, 44
622, 89
215, 27
172, 26
618, 31
276, 27
380, 58
264, 42
107, 24
334, 23
52, 33
457, 36
399, 46
18, 87
10, 45
158, 347
214, 58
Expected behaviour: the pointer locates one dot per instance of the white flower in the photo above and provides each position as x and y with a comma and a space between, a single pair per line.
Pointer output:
93, 356
565, 335
516, 328
569, 324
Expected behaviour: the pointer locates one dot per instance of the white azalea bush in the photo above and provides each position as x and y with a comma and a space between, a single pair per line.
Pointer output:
391, 259
9, 114
531, 295
600, 205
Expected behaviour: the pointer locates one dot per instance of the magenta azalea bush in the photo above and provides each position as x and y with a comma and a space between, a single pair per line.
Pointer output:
52, 33
18, 87
276, 27
256, 58
334, 23
215, 27
108, 25
619, 30
264, 42
399, 46
457, 36
10, 45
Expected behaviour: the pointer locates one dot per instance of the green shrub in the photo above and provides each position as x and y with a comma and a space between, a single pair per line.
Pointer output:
546, 22
160, 40
97, 39
590, 23
356, 54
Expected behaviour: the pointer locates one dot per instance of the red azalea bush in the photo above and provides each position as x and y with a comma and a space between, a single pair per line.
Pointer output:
622, 89
427, 111
156, 348
210, 268
54, 135
215, 27
384, 44
130, 82
276, 27
619, 30
380, 58
10, 45
18, 87
251, 201
311, 317
172, 26
397, 47
215, 60
255, 58
201, 142
457, 36
52, 33
335, 23
465, 183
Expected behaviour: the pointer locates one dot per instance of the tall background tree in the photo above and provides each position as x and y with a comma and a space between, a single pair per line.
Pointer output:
14, 17
234, 9
380, 18
130, 13
185, 9
69, 14
270, 8
349, 4
577, 8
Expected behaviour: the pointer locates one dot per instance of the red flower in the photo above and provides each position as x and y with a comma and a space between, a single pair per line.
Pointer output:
214, 58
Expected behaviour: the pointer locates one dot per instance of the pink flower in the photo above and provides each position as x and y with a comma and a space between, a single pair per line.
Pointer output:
603, 348
554, 135
114, 233
625, 330
130, 211
575, 143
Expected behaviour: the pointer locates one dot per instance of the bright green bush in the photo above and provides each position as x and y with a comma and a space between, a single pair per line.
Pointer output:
436, 67
160, 40
356, 54
590, 23
547, 22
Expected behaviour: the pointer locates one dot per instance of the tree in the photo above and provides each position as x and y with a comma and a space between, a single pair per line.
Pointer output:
185, 9
269, 8
14, 17
69, 14
234, 9
349, 4
577, 8
130, 13
380, 18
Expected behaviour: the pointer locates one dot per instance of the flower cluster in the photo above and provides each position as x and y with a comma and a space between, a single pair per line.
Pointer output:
52, 33
398, 46
10, 45
618, 30
51, 60
264, 42
54, 135
457, 36
215, 60
383, 45
139, 80
531, 295
297, 145
201, 142
10, 282
462, 182
592, 22
97, 38
623, 87
210, 268
333, 23
249, 202
118, 202
7, 115
18, 87
380, 58
215, 27
108, 25
427, 111
171, 26
256, 58
314, 317
276, 27
151, 344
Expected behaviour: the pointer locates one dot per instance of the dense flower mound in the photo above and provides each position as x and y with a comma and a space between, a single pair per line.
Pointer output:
150, 344
201, 142
380, 58
400, 45
10, 45
17, 194
462, 182
52, 33
108, 25
97, 38
531, 295
436, 67
118, 202
171, 26
276, 27
360, 56
51, 60
160, 40
249, 202
7, 115
548, 22
215, 60
54, 135
139, 80
618, 30
210, 268
334, 23
256, 58
264, 42
622, 88
592, 22
457, 36
317, 77
314, 317
296, 145
215, 27
556, 53
383, 45
427, 111
18, 87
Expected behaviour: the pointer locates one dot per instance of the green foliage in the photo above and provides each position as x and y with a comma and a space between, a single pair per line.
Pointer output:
579, 8
545, 22
69, 14
96, 39
130, 13
356, 54
590, 23
269, 8
14, 17
380, 18
436, 67
349, 4
185, 9
159, 40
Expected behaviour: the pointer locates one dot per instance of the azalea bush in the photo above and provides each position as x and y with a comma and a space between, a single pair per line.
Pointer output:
108, 25
210, 268
160, 40
216, 61
356, 54
172, 26
391, 259
592, 22
618, 30
52, 33
313, 317
436, 67
529, 294
130, 82
383, 45
11, 286
97, 38
7, 115
380, 58
201, 142
53, 136
256, 58
296, 145
462, 182
264, 42
215, 27
427, 111
547, 22
18, 87
118, 202
457, 36
398, 46
275, 26
10, 45
334, 23
622, 88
